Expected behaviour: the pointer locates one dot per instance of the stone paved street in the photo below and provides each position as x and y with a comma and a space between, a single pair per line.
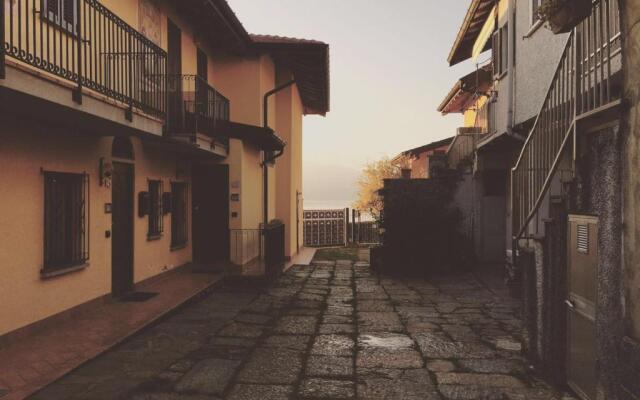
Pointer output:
327, 331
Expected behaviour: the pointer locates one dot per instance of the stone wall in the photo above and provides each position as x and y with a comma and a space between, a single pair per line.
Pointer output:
422, 226
631, 185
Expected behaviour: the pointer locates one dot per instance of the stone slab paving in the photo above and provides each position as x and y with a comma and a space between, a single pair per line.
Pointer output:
325, 331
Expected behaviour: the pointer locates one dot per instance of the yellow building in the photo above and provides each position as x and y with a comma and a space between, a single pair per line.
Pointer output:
132, 142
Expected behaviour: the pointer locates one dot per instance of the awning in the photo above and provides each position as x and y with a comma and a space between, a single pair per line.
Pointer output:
484, 37
464, 92
264, 138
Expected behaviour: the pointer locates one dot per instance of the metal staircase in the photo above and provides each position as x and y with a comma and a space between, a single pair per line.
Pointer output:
586, 83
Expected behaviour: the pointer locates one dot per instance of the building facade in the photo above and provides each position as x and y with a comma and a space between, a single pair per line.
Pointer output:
137, 139
557, 139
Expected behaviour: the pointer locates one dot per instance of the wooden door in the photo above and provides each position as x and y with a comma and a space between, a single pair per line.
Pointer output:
122, 229
210, 227
582, 264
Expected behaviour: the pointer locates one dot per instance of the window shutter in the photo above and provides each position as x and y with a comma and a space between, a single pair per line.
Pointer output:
144, 204
495, 46
69, 12
167, 203
52, 6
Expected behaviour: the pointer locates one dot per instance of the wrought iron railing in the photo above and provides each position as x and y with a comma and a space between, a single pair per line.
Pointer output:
263, 249
586, 81
82, 42
195, 107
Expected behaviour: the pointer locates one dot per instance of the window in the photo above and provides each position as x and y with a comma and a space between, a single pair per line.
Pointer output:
500, 48
179, 204
535, 4
66, 241
155, 209
62, 13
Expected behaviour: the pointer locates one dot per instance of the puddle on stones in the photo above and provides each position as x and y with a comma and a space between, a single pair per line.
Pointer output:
387, 341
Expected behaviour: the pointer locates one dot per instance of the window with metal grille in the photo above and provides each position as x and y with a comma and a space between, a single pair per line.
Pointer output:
155, 208
66, 220
62, 13
179, 215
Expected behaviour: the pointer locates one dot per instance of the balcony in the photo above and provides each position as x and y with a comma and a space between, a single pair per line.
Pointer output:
194, 113
84, 46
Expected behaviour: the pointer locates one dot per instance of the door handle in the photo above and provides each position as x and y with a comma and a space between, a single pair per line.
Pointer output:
570, 304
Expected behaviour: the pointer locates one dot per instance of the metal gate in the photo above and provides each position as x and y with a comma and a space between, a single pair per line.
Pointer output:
325, 228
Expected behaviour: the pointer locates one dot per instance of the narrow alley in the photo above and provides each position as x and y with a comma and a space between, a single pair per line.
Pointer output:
331, 330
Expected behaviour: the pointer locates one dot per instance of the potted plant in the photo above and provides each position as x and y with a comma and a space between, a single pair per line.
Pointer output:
562, 16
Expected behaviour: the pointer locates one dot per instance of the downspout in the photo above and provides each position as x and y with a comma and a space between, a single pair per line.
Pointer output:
267, 158
511, 71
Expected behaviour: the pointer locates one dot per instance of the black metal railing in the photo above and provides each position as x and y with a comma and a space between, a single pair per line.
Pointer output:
195, 107
81, 41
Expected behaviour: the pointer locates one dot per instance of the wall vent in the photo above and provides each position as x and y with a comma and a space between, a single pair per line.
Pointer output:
583, 239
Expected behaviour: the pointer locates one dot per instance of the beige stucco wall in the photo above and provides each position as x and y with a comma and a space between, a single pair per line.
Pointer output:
631, 17
25, 149
289, 166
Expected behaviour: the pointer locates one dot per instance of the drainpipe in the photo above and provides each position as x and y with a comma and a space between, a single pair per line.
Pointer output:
269, 158
511, 72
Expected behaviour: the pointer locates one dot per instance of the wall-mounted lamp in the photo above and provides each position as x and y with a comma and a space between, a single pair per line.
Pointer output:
106, 173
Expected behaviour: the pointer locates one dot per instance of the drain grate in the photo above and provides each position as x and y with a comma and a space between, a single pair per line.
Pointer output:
138, 297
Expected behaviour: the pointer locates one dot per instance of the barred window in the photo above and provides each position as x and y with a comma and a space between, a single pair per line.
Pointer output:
62, 13
155, 208
66, 239
179, 215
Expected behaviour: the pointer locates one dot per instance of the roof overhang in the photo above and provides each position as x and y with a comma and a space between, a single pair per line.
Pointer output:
264, 138
216, 20
463, 93
415, 152
477, 14
308, 60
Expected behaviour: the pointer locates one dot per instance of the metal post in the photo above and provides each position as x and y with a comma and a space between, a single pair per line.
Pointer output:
353, 226
2, 52
77, 94
346, 226
128, 114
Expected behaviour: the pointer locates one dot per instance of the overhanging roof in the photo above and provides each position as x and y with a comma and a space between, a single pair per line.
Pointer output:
308, 60
427, 147
464, 90
216, 20
264, 138
478, 12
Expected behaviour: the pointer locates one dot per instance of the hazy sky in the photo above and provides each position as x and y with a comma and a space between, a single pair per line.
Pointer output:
388, 75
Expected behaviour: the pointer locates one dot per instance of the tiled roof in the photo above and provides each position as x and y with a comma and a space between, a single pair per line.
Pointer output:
308, 60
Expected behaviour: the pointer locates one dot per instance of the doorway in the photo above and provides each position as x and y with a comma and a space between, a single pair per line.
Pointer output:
122, 229
582, 261
210, 226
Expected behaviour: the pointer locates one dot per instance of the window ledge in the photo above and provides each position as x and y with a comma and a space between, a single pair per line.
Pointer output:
534, 28
177, 247
53, 274
153, 237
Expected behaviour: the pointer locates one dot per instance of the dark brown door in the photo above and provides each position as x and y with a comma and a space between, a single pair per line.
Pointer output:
210, 197
174, 80
122, 229
581, 305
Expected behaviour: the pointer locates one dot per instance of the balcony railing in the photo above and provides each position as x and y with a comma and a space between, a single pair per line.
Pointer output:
194, 107
465, 145
83, 42
587, 81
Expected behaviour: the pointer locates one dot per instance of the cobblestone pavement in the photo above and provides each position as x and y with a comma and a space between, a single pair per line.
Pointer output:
322, 332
